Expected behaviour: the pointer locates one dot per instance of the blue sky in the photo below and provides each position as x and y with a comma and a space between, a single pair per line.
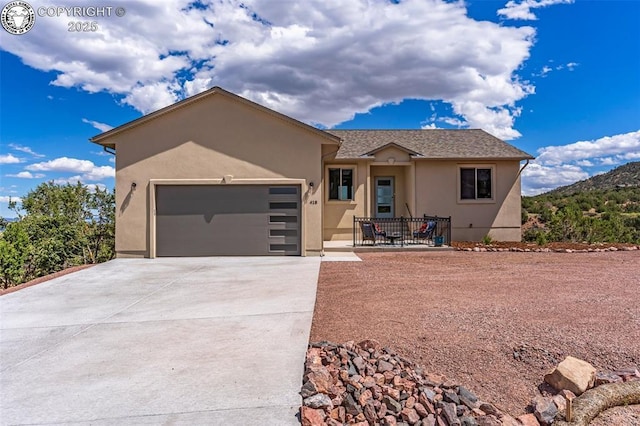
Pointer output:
557, 78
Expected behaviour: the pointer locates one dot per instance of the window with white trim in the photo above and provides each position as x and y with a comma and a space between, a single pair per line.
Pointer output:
476, 183
340, 184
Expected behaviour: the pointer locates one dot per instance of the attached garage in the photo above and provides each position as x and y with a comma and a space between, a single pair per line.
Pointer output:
216, 174
234, 220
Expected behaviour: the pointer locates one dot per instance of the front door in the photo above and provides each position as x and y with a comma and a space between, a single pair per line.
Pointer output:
384, 197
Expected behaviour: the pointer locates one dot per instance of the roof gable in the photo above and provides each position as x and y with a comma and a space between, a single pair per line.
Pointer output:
374, 151
104, 138
428, 143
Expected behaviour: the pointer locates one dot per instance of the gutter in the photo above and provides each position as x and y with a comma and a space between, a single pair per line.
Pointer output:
107, 150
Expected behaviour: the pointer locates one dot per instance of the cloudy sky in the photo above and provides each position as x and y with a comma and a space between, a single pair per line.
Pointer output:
557, 78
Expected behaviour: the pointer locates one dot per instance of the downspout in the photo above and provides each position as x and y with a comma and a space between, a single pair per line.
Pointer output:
107, 150
523, 167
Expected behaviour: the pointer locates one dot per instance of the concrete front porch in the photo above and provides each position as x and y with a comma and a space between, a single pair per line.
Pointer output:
347, 246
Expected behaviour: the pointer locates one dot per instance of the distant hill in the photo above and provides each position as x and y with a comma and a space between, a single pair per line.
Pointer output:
603, 208
624, 176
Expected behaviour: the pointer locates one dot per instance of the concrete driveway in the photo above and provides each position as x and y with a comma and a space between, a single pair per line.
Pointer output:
207, 341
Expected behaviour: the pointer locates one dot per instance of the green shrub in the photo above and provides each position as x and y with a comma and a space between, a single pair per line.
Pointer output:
62, 226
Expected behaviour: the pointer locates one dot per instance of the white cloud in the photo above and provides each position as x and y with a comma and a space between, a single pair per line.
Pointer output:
429, 126
7, 198
320, 61
565, 164
71, 179
27, 175
522, 9
151, 97
538, 178
92, 187
8, 159
100, 126
622, 147
24, 149
453, 121
545, 70
87, 169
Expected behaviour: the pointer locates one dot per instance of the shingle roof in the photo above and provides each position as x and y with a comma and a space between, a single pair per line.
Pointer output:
428, 143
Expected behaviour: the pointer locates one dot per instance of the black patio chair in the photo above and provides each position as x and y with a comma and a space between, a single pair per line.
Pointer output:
371, 232
426, 231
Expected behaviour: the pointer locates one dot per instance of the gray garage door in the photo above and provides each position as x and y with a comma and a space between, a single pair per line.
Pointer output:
215, 220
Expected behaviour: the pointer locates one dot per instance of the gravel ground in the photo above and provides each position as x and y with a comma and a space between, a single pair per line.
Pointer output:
493, 322
620, 416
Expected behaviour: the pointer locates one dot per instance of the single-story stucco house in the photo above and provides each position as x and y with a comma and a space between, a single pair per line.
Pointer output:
217, 174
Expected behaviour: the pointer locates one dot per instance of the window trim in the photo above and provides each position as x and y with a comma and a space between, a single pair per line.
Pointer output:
476, 200
354, 171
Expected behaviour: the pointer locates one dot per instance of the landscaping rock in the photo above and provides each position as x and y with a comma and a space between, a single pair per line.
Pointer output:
489, 409
488, 421
451, 396
528, 420
312, 417
468, 421
572, 374
392, 404
410, 415
366, 384
449, 411
603, 377
628, 374
544, 409
561, 404
318, 400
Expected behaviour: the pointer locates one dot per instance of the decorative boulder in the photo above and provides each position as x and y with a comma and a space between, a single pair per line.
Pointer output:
572, 374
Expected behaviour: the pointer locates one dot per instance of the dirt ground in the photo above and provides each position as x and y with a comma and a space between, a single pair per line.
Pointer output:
44, 279
493, 322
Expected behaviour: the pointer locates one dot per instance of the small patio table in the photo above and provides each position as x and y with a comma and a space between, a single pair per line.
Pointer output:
393, 237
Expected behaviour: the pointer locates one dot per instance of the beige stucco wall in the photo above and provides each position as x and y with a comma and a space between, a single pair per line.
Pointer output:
391, 154
206, 140
437, 184
338, 215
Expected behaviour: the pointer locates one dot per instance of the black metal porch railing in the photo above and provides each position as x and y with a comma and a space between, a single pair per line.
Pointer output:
426, 230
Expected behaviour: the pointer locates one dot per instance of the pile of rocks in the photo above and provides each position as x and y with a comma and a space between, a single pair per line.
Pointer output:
364, 384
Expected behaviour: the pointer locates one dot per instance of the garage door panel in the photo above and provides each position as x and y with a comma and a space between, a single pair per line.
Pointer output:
227, 220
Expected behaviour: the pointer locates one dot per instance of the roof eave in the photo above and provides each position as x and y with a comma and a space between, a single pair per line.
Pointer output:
423, 157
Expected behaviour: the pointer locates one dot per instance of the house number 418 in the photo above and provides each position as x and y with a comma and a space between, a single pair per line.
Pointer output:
313, 202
